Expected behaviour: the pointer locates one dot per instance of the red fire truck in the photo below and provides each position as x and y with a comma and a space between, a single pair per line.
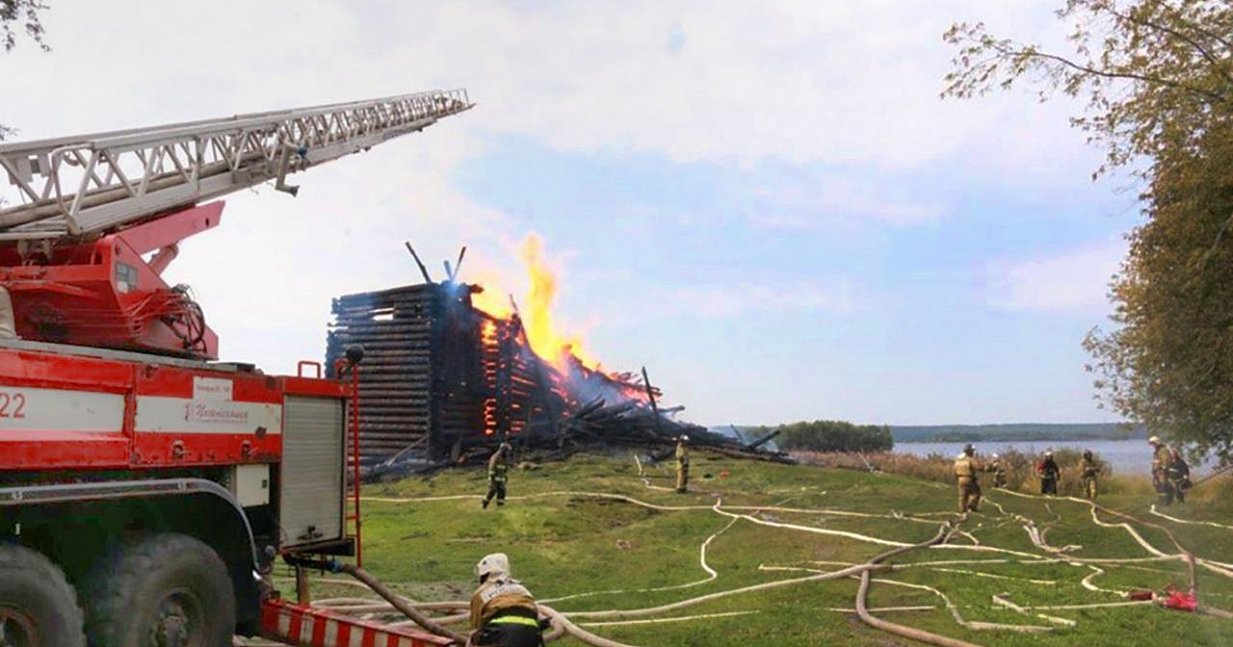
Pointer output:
146, 489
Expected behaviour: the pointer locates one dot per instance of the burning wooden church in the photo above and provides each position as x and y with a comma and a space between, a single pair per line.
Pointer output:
440, 376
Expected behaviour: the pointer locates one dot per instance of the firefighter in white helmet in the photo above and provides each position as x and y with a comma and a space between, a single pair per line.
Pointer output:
682, 464
503, 611
1170, 473
999, 472
1049, 473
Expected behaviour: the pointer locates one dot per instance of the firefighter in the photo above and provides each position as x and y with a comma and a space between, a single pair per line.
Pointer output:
498, 473
1049, 474
1178, 474
999, 472
966, 469
682, 464
1090, 470
1160, 469
503, 611
1170, 473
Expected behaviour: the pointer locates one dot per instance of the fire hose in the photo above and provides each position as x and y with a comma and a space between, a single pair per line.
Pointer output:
398, 603
1188, 522
851, 571
1177, 599
862, 593
1183, 554
413, 611
1215, 473
563, 625
560, 624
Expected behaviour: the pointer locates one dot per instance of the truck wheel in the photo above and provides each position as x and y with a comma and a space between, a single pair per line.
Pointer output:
165, 590
37, 605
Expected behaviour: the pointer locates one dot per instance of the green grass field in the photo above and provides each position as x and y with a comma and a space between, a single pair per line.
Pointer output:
565, 542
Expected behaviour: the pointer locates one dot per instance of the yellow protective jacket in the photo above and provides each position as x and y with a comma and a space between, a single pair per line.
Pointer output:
1162, 458
1089, 469
682, 455
967, 466
496, 595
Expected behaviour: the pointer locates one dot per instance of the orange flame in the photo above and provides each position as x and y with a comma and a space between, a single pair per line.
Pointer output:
488, 333
546, 340
492, 299
549, 342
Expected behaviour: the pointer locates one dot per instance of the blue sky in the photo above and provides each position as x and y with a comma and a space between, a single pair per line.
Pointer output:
888, 302
766, 204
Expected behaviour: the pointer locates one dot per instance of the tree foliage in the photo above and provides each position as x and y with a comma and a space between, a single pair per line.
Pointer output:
1157, 78
835, 436
20, 16
1151, 71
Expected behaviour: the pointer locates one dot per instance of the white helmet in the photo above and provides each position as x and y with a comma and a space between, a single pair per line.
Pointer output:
492, 564
1049, 452
1154, 440
995, 456
684, 438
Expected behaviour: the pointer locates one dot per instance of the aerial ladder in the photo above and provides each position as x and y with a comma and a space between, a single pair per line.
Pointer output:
146, 489
91, 222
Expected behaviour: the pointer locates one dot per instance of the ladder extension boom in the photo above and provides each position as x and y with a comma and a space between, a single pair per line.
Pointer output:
91, 184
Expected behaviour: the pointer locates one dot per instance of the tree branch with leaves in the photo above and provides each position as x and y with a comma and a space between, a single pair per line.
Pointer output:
1156, 79
1152, 71
20, 17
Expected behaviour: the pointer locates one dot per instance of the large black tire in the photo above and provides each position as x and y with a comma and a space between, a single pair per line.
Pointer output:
149, 591
38, 607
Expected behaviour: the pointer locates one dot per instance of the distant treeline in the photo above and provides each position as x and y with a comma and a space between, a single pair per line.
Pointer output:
1014, 432
831, 436
843, 436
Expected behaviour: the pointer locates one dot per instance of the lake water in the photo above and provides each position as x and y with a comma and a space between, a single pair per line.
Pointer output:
1125, 456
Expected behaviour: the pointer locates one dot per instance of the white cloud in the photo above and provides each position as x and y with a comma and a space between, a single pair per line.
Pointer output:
1075, 281
730, 83
741, 82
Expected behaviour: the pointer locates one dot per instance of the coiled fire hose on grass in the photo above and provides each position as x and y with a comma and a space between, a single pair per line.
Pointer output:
862, 592
562, 625
1183, 554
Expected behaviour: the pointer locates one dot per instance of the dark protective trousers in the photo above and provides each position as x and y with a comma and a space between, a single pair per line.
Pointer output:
1169, 490
1048, 485
497, 489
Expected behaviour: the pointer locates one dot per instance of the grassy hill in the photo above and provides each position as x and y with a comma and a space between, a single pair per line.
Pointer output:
569, 541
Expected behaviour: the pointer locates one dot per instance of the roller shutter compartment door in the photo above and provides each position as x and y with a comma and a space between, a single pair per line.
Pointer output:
311, 510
